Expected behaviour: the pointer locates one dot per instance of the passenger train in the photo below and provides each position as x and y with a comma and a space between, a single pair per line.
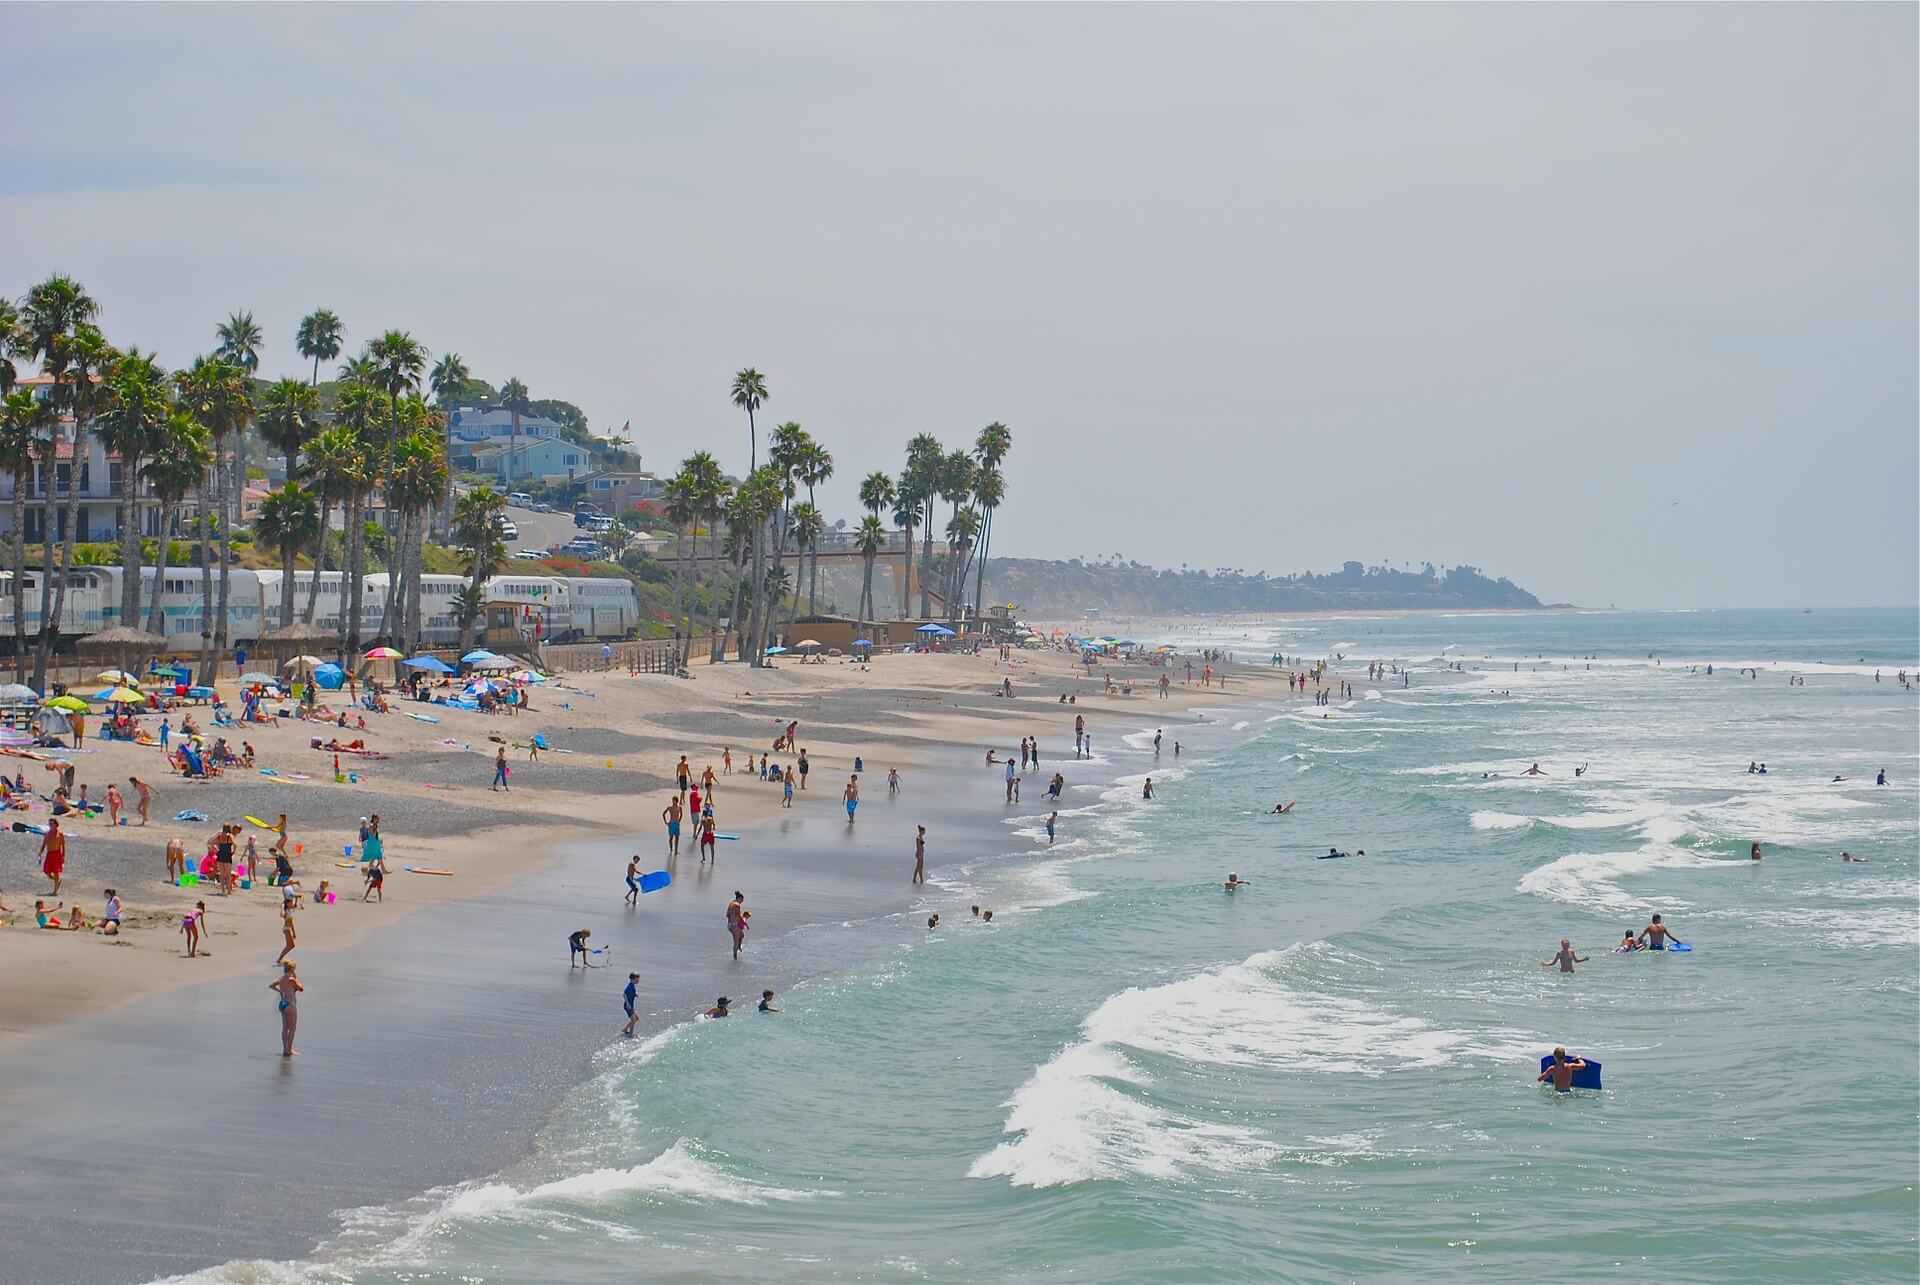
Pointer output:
556, 608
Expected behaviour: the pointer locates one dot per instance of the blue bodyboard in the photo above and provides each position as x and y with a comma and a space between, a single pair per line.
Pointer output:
1587, 1077
655, 881
1680, 948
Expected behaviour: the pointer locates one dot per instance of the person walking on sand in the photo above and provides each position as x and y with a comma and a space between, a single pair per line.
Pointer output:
114, 801
786, 788
726, 760
708, 852
1564, 957
920, 856
286, 927
737, 922
376, 873
287, 984
671, 814
683, 774
802, 765
633, 880
500, 769
893, 781
851, 796
145, 792
53, 854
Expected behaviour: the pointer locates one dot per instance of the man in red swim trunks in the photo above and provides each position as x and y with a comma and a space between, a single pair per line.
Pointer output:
53, 854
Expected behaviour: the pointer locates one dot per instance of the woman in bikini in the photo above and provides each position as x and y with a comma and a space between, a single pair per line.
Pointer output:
289, 988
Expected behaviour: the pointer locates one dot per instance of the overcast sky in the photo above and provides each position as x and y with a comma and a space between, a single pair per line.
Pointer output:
1619, 301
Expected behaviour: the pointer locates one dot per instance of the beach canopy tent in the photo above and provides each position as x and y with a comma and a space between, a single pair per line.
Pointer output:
431, 663
934, 631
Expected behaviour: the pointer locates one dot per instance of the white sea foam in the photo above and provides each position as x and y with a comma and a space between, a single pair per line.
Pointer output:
1078, 1121
1486, 820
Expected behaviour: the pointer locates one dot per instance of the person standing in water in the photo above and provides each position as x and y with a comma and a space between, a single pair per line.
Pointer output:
1052, 820
851, 797
737, 922
671, 814
920, 856
1560, 1071
633, 880
1565, 957
288, 986
1146, 791
628, 998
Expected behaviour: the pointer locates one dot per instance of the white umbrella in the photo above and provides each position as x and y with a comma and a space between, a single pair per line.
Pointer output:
493, 663
303, 661
18, 692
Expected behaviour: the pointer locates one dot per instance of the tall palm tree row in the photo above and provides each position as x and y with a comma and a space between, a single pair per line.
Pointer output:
174, 473
990, 448
132, 421
26, 422
876, 497
816, 467
215, 392
919, 484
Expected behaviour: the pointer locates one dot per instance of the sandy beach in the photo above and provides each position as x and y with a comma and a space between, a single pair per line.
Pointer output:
438, 1020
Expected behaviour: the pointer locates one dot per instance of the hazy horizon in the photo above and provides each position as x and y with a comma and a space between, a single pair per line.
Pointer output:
1617, 302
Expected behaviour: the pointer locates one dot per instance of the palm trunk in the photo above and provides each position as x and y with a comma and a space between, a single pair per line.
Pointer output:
319, 560
352, 568
288, 559
50, 624
926, 560
130, 558
154, 618
226, 574
391, 612
206, 577
980, 576
750, 643
20, 484
733, 619
866, 591
907, 569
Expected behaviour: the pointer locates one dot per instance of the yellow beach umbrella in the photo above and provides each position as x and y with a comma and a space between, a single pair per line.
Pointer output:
125, 696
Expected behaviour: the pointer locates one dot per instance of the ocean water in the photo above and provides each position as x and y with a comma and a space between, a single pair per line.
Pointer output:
1133, 1076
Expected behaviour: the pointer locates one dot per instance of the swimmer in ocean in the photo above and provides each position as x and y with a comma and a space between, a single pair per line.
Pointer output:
1235, 883
1281, 809
1656, 935
1581, 770
1565, 957
1627, 944
1533, 771
1561, 1070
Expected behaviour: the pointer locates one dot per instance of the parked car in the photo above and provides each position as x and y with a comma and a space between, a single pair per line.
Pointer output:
519, 499
585, 514
508, 531
582, 546
541, 506
534, 554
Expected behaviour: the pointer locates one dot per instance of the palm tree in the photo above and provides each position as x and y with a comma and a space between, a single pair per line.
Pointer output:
448, 382
56, 328
25, 425
710, 494
515, 398
400, 361
784, 453
476, 517
869, 539
333, 463
240, 339
807, 526
876, 494
990, 448
919, 482
360, 370
755, 502
963, 528
955, 487
215, 392
13, 338
359, 409
419, 480
178, 467
289, 519
319, 337
816, 466
750, 394
139, 402
683, 510
289, 419
906, 516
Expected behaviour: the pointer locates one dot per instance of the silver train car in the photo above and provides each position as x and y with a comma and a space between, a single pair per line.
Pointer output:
554, 608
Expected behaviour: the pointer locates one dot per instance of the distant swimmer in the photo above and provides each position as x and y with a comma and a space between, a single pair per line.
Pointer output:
1763, 769
1334, 854
1281, 809
1533, 771
1753, 853
1836, 780
1561, 1071
1656, 935
1581, 770
1752, 767
1146, 791
1235, 883
1882, 778
1848, 856
1565, 957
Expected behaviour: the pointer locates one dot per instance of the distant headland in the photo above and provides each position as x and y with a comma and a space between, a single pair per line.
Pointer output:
1042, 586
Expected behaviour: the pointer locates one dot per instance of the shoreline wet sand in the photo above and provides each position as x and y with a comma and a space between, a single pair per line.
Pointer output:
166, 1135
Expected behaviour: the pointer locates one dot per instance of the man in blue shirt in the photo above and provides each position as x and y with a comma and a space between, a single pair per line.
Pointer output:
628, 997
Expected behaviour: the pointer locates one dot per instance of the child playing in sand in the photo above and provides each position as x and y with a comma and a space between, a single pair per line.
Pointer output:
191, 927
114, 801
43, 914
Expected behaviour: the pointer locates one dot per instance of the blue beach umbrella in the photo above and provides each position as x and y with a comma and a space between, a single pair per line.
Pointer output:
863, 642
934, 630
433, 663
775, 650
479, 654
